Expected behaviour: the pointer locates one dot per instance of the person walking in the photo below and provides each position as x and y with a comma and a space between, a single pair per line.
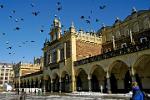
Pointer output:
137, 93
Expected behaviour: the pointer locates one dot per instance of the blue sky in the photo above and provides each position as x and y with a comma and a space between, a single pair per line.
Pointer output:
71, 11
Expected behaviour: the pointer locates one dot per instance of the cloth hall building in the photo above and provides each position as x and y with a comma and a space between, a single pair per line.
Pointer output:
108, 60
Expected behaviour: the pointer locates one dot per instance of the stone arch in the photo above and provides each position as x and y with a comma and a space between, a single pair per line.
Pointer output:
141, 69
65, 81
55, 77
47, 83
120, 77
98, 78
82, 80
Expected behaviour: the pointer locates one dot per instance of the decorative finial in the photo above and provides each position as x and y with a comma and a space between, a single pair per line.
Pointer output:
134, 10
103, 25
55, 16
117, 18
72, 24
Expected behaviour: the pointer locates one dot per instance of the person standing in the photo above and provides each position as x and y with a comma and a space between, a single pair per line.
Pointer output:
137, 93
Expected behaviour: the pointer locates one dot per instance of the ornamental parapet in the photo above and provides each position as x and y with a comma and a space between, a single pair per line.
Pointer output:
114, 53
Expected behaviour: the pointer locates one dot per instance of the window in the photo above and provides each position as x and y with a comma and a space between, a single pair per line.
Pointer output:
143, 39
123, 45
54, 57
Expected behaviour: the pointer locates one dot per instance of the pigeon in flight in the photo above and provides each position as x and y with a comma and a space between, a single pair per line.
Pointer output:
35, 13
1, 6
97, 20
17, 28
13, 11
9, 48
10, 17
32, 41
3, 33
58, 3
102, 7
87, 21
41, 30
82, 17
59, 8
32, 5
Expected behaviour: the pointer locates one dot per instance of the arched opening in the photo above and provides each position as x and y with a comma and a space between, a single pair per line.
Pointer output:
142, 72
98, 79
56, 83
36, 83
120, 77
48, 84
65, 82
82, 81
127, 82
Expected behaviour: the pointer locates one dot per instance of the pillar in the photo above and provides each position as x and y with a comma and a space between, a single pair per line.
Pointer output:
51, 85
65, 52
43, 87
132, 73
89, 83
58, 55
108, 83
60, 85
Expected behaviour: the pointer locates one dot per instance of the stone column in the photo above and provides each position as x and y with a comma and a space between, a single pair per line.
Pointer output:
65, 52
132, 73
108, 83
44, 86
51, 85
50, 58
30, 88
60, 85
89, 83
58, 55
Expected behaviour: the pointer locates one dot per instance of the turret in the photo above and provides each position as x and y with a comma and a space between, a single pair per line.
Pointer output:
72, 28
56, 29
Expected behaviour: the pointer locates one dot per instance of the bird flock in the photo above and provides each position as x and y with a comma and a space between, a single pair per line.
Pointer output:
35, 13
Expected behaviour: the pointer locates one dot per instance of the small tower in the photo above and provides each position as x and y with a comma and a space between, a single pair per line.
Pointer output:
56, 29
72, 28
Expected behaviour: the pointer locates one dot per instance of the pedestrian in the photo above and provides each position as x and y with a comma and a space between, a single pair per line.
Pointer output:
137, 93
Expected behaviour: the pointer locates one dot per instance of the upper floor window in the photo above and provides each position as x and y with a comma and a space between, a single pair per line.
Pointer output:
54, 57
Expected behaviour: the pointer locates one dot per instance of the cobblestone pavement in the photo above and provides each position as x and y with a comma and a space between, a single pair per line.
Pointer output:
69, 96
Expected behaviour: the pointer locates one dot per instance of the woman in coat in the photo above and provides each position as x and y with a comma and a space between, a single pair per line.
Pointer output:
137, 93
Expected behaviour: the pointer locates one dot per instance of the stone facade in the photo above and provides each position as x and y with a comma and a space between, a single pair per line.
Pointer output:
107, 61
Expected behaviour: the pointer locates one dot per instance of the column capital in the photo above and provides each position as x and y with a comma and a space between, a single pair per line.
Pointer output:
107, 75
89, 76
